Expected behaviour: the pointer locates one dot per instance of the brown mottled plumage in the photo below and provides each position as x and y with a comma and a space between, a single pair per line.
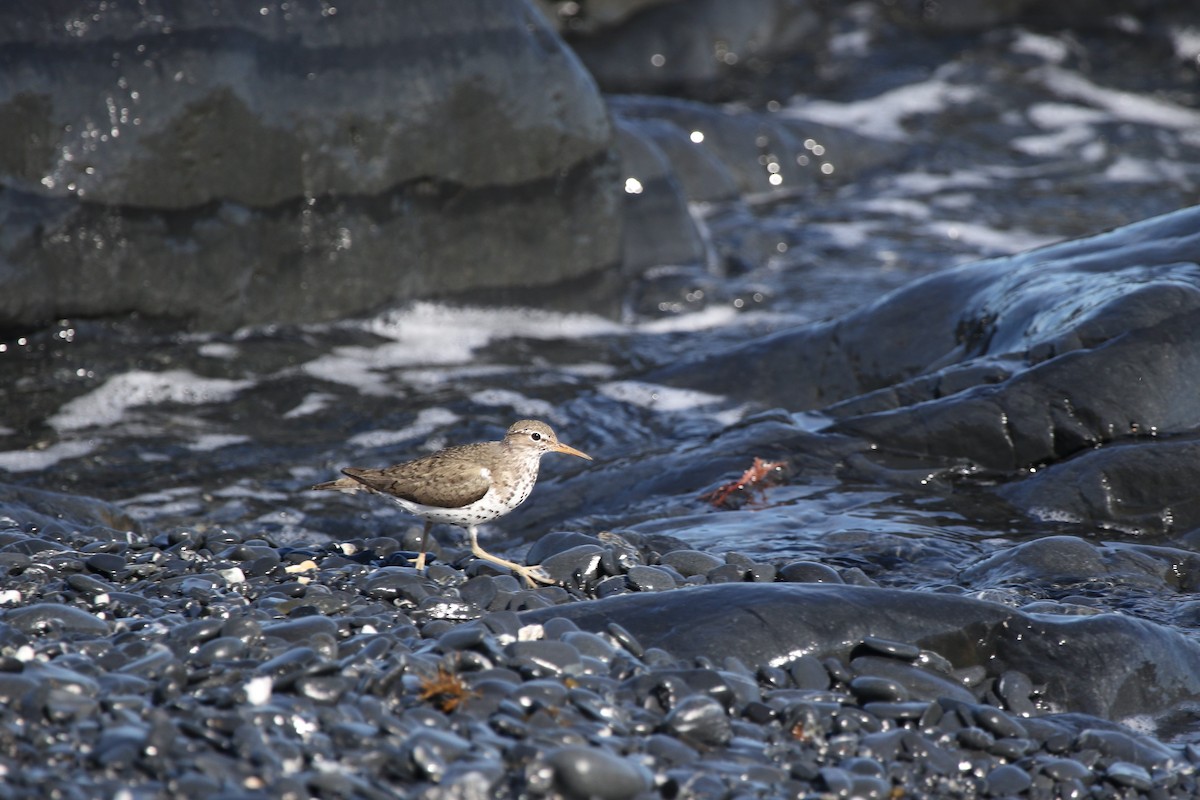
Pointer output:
465, 485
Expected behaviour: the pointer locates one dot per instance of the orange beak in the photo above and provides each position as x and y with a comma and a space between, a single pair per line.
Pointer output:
559, 447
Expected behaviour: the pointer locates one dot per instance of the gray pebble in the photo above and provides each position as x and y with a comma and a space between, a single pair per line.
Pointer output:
1122, 773
691, 562
808, 572
593, 772
649, 579
700, 721
1008, 779
55, 617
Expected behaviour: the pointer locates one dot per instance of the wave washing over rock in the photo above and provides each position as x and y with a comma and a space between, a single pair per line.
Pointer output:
893, 480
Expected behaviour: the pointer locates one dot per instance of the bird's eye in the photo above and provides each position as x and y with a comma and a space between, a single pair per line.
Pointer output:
537, 437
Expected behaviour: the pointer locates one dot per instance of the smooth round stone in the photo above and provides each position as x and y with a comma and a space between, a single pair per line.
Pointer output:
837, 781
999, 723
612, 585
1015, 689
289, 662
109, 565
543, 657
625, 639
579, 562
762, 573
869, 787
921, 684
809, 572
869, 687
479, 591
1008, 779
431, 750
976, 738
539, 694
887, 647
326, 689
1011, 749
649, 579
592, 772
691, 562
222, 648
87, 585
395, 583
463, 637
51, 616
809, 673
301, 629
32, 546
1065, 769
590, 644
558, 542
727, 573
700, 720
897, 710
13, 687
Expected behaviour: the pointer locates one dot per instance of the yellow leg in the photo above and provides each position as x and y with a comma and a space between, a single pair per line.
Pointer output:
530, 574
420, 562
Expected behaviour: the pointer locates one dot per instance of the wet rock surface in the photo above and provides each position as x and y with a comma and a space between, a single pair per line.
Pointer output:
216, 164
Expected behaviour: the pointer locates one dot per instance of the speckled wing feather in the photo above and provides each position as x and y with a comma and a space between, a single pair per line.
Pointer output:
449, 479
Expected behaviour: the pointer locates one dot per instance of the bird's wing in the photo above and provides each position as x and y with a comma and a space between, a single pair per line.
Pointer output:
442, 480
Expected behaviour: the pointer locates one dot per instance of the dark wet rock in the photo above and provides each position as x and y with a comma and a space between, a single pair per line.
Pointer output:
321, 194
1007, 779
650, 579
581, 562
764, 624
868, 688
699, 721
618, 51
590, 772
808, 572
1024, 365
691, 562
55, 617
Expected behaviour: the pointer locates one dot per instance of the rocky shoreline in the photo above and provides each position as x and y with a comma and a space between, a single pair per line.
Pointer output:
194, 664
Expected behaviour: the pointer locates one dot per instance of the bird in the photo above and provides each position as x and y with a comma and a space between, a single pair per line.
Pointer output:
466, 485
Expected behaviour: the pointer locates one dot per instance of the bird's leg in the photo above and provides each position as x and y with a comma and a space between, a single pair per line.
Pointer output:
530, 574
420, 561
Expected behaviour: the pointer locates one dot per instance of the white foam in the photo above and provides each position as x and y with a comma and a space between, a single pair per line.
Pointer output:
220, 350
1127, 169
1047, 48
882, 116
450, 334
708, 318
1187, 43
428, 420
38, 460
311, 404
107, 405
521, 405
426, 335
667, 399
215, 441
987, 239
1122, 105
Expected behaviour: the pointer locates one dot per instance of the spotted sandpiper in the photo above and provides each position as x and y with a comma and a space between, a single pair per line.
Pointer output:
466, 485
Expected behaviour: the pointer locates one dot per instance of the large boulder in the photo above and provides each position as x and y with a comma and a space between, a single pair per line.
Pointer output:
226, 164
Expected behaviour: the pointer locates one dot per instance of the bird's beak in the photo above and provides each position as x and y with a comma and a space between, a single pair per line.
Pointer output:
559, 447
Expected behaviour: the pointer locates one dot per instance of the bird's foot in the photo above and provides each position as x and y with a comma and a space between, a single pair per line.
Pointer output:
419, 562
534, 574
